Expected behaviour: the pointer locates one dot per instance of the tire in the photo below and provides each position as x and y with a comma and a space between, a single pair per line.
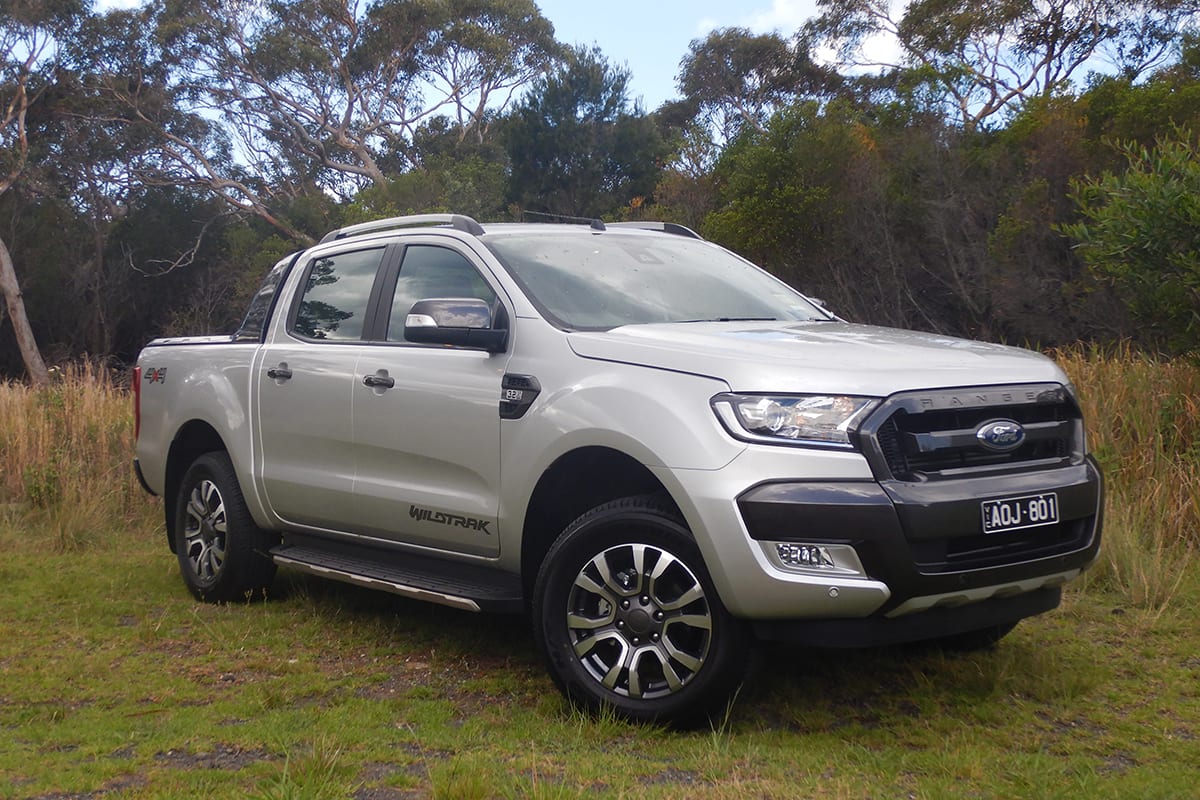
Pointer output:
972, 641
627, 618
222, 553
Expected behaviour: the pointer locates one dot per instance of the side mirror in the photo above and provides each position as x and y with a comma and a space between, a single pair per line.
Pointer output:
454, 321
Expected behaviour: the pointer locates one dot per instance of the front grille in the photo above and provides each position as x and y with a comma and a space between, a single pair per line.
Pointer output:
917, 436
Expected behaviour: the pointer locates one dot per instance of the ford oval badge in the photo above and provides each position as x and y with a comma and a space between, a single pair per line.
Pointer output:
1001, 435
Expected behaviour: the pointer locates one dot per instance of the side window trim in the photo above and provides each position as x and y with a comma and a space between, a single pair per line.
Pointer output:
387, 287
379, 305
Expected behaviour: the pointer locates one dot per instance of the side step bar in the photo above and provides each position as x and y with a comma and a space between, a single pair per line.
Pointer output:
461, 586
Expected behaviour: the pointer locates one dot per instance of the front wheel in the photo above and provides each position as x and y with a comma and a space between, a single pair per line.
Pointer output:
222, 553
627, 617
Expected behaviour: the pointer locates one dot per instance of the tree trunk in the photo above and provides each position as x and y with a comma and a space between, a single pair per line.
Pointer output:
16, 312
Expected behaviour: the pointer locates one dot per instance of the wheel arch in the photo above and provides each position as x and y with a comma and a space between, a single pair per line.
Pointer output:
193, 440
573, 484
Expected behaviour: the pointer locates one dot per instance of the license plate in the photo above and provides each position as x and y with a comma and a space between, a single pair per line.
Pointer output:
1016, 513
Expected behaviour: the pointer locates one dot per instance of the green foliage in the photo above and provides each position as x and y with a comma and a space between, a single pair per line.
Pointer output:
42, 486
1141, 230
737, 79
455, 173
576, 146
1121, 110
775, 190
986, 59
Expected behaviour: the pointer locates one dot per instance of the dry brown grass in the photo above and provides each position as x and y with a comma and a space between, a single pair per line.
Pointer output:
1143, 418
65, 457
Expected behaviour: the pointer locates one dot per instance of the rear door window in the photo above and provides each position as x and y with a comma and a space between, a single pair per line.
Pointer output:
336, 296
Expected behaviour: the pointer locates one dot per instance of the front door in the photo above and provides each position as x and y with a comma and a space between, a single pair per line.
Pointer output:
427, 431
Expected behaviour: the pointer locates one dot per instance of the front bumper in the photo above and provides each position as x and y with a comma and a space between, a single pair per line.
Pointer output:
935, 623
902, 532
925, 540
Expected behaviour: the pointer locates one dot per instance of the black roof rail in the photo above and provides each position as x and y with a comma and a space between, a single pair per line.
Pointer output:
457, 221
665, 227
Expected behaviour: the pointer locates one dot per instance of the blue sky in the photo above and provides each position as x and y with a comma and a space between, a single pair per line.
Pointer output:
651, 36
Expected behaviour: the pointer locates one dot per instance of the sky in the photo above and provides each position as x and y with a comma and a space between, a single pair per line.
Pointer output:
652, 36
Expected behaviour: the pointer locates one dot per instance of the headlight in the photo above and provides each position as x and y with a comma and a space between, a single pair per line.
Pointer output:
807, 419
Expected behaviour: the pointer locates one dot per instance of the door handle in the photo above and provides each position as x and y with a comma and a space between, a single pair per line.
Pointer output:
279, 373
379, 381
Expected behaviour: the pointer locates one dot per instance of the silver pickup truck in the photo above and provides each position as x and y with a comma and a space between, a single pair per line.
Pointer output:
655, 449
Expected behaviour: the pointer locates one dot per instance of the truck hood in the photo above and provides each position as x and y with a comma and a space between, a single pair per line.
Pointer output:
816, 357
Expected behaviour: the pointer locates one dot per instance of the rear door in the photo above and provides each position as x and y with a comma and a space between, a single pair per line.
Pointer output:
427, 433
305, 384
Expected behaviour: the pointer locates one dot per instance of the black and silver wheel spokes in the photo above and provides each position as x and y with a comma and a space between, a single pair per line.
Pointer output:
205, 530
639, 621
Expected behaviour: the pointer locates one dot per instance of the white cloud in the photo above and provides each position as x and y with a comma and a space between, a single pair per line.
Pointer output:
784, 16
882, 49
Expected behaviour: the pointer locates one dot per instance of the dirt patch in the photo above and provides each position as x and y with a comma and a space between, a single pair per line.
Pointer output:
222, 757
388, 793
116, 786
674, 776
1118, 764
372, 774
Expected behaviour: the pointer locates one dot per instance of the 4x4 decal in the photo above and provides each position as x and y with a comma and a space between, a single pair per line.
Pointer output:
453, 520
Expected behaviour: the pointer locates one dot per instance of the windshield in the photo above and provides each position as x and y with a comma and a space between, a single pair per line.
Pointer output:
602, 281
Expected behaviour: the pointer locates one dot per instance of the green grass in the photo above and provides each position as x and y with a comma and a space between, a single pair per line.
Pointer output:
114, 683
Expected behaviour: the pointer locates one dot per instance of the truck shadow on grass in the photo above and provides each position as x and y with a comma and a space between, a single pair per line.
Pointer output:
809, 690
472, 660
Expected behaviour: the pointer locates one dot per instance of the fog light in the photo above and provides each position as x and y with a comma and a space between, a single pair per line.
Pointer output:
815, 559
804, 555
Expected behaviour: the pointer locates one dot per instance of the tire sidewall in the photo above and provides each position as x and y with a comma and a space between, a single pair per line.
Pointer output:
633, 522
246, 570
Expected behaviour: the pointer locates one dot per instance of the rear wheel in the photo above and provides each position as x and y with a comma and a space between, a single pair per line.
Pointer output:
222, 553
627, 617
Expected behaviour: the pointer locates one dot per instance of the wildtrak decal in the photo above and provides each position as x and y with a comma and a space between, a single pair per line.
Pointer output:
453, 520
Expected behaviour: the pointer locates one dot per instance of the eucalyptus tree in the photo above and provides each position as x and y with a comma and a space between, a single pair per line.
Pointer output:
486, 53
578, 146
738, 79
988, 57
732, 82
329, 93
30, 33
